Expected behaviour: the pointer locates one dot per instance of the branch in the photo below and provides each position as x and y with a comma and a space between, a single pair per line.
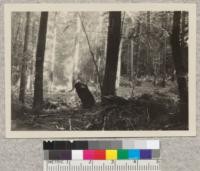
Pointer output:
66, 27
91, 52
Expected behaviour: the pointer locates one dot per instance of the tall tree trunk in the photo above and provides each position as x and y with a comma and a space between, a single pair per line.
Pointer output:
148, 56
34, 42
16, 37
74, 75
165, 36
24, 60
132, 78
30, 84
53, 54
120, 53
112, 53
137, 49
119, 65
184, 38
164, 62
38, 85
31, 70
77, 45
98, 46
181, 71
131, 61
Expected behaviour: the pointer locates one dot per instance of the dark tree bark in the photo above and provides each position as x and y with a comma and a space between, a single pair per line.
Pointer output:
38, 85
184, 38
85, 95
24, 60
179, 63
112, 53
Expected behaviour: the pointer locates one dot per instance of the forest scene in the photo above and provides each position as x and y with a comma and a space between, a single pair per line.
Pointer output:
111, 70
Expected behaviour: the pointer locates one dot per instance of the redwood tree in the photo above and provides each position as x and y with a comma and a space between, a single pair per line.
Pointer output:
38, 85
113, 42
180, 64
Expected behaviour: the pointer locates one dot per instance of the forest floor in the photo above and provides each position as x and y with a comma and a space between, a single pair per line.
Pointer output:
147, 107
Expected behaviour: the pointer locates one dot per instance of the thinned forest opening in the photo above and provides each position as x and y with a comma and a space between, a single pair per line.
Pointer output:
99, 70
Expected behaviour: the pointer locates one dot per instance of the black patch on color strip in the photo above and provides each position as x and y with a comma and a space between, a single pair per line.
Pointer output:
60, 154
78, 145
62, 145
56, 145
48, 145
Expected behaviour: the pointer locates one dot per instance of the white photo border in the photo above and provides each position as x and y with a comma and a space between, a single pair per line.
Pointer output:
190, 7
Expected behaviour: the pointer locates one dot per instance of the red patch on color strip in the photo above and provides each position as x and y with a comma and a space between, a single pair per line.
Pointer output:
99, 154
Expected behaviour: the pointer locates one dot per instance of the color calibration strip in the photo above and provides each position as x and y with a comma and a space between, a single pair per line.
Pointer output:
137, 155
119, 154
93, 145
102, 150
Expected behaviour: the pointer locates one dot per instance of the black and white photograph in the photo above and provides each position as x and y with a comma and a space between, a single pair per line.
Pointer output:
101, 71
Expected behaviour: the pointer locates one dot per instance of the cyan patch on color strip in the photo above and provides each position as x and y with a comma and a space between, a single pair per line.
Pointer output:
134, 154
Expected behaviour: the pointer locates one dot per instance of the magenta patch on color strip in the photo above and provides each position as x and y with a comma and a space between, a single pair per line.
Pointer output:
88, 154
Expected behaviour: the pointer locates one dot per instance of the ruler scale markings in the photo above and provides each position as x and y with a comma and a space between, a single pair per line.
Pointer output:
142, 165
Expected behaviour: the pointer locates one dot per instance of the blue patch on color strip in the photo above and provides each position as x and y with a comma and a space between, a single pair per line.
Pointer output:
134, 154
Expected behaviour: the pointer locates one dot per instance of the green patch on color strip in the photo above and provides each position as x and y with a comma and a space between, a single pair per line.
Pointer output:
122, 154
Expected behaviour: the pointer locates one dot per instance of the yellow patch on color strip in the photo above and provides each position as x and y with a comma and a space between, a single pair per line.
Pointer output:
111, 154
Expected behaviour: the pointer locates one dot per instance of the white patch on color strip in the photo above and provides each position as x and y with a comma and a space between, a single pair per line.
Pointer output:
153, 144
77, 154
